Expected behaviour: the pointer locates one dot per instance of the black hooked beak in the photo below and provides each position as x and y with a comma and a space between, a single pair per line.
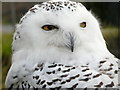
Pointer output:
71, 42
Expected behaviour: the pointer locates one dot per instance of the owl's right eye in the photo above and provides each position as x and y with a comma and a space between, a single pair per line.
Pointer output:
49, 27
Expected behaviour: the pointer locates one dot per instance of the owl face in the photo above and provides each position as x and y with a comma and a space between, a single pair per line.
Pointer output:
64, 25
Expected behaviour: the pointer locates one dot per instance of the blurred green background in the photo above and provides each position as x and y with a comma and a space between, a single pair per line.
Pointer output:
107, 12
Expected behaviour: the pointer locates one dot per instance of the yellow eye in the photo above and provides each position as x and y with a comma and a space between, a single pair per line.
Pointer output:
83, 24
49, 27
45, 28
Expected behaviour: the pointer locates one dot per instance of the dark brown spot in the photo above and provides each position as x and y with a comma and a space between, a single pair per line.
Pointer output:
59, 69
47, 9
74, 86
96, 89
111, 77
72, 68
119, 84
24, 76
40, 65
85, 88
87, 64
86, 79
52, 66
36, 69
85, 69
66, 70
18, 32
109, 69
15, 77
49, 83
42, 82
28, 86
101, 62
68, 66
106, 69
68, 80
55, 80
15, 37
68, 7
41, 69
33, 9
21, 21
57, 8
95, 76
116, 71
48, 72
106, 58
36, 77
60, 64
71, 4
84, 66
99, 85
38, 81
110, 85
64, 75
100, 66
74, 76
65, 4
63, 82
44, 86
111, 64
23, 82
88, 74
53, 72
22, 87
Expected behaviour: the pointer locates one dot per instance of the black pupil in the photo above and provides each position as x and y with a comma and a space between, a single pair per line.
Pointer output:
50, 27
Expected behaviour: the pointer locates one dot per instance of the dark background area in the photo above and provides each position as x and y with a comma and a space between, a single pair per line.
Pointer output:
108, 12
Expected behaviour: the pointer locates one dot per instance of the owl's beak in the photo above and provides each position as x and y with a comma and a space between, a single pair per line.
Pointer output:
70, 45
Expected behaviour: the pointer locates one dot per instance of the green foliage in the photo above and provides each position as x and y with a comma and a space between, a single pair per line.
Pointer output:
112, 39
6, 43
6, 55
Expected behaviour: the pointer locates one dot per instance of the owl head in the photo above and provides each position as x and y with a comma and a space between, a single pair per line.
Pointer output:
59, 26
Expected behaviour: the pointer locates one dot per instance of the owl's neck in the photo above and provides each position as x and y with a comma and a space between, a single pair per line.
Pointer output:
52, 54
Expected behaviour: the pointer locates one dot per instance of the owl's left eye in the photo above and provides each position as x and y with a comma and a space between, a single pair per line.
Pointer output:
49, 27
83, 24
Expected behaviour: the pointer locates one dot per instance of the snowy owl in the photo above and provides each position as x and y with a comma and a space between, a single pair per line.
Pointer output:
58, 44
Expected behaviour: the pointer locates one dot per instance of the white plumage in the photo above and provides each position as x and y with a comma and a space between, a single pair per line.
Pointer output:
58, 44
